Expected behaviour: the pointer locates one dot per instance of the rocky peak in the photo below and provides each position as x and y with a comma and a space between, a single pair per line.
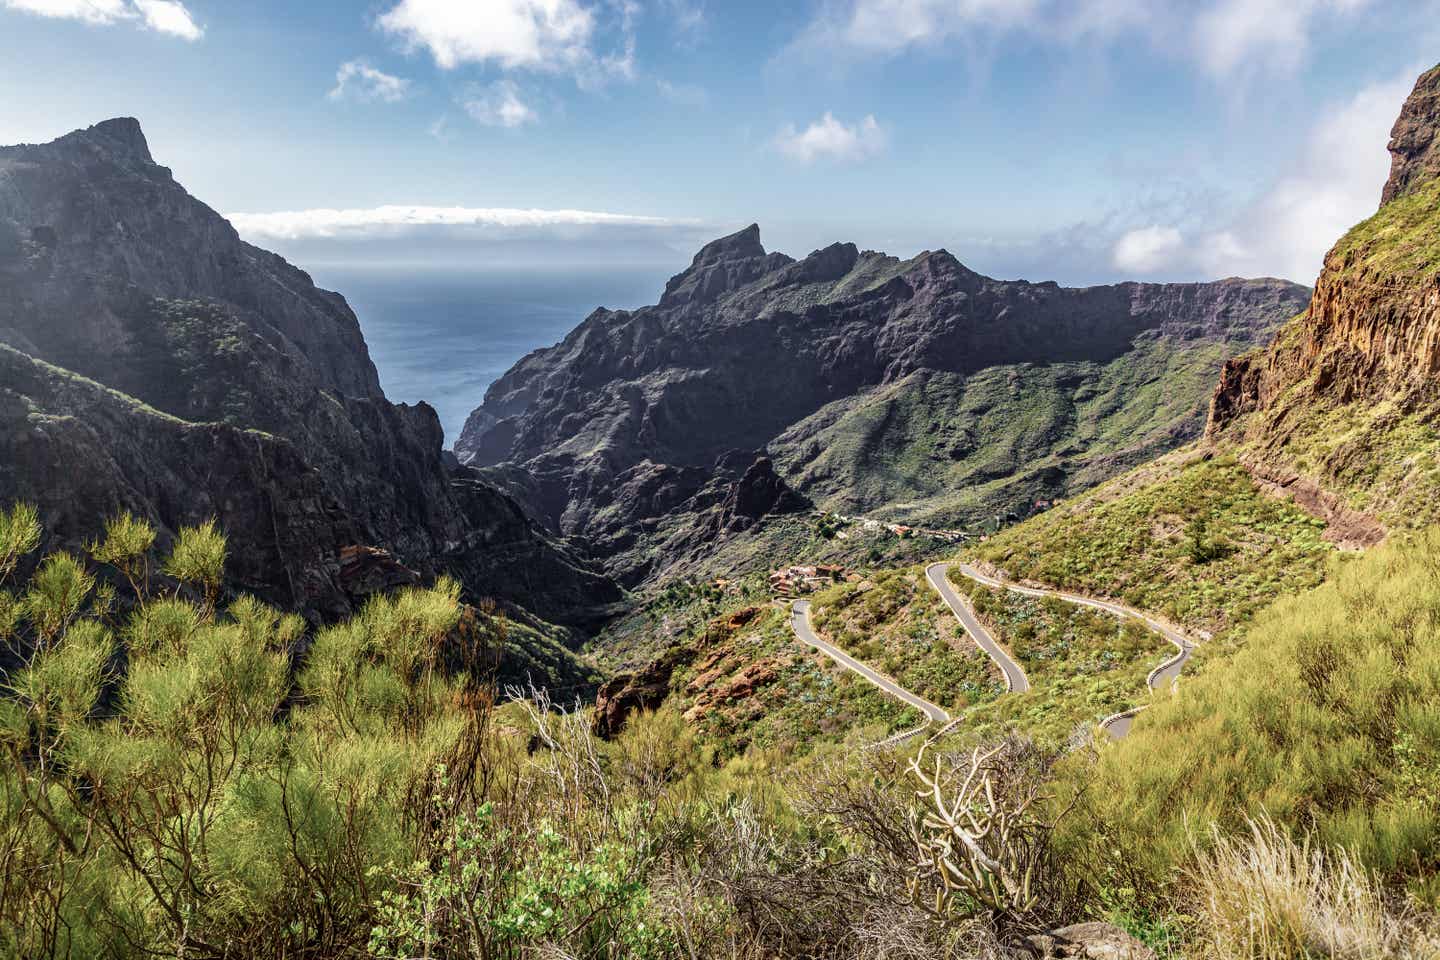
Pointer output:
760, 492
827, 265
1415, 139
738, 246
120, 138
722, 266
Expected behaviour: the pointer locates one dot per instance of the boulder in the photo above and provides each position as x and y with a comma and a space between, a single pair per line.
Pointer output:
1084, 941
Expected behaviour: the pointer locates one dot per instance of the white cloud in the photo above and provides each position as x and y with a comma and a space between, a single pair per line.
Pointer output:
1224, 36
1148, 249
90, 11
162, 16
499, 106
828, 138
1334, 183
891, 25
388, 220
537, 34
687, 17
358, 79
169, 16
1235, 35
685, 94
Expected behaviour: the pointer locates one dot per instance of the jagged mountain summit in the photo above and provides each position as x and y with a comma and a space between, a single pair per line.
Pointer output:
873, 383
152, 361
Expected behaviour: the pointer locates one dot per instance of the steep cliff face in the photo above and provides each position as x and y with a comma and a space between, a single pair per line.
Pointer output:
159, 364
1343, 406
109, 232
754, 351
1415, 139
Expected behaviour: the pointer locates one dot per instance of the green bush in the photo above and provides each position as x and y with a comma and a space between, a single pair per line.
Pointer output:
198, 559
199, 802
1327, 717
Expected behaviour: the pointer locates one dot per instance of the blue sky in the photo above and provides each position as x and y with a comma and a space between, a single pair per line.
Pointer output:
1080, 140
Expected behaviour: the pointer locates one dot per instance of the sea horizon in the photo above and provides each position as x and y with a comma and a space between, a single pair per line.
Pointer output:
444, 335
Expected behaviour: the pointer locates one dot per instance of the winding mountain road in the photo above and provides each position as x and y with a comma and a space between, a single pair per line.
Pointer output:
1015, 679
805, 630
1117, 725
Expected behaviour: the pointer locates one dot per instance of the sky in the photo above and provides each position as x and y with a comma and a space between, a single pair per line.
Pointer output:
1084, 141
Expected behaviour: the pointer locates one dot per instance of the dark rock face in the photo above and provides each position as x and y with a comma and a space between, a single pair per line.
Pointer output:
629, 693
630, 417
761, 492
1415, 139
157, 363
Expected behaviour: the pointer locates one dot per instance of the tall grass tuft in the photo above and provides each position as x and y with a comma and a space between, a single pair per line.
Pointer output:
1267, 897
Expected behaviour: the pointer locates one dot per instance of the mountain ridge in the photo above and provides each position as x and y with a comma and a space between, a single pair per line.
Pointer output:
120, 293
744, 346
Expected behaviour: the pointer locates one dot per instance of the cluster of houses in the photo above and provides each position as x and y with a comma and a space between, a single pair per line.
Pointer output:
789, 581
869, 525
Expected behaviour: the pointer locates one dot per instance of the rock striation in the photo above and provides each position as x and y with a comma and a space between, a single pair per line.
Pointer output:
626, 425
152, 361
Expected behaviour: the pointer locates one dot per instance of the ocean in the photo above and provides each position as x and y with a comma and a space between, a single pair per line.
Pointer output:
444, 337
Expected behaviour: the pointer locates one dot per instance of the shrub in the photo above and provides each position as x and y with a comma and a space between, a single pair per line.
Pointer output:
57, 593
198, 559
982, 839
126, 547
19, 535
1326, 717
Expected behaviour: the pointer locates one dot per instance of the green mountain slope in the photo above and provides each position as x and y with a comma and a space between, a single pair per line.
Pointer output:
941, 448
1326, 717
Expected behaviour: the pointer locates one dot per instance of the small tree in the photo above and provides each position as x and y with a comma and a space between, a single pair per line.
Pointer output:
1203, 547
126, 547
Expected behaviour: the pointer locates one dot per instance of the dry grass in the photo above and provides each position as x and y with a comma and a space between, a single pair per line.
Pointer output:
1267, 897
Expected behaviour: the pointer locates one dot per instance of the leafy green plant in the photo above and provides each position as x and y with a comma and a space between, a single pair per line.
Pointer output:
198, 559
488, 893
19, 535
126, 547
